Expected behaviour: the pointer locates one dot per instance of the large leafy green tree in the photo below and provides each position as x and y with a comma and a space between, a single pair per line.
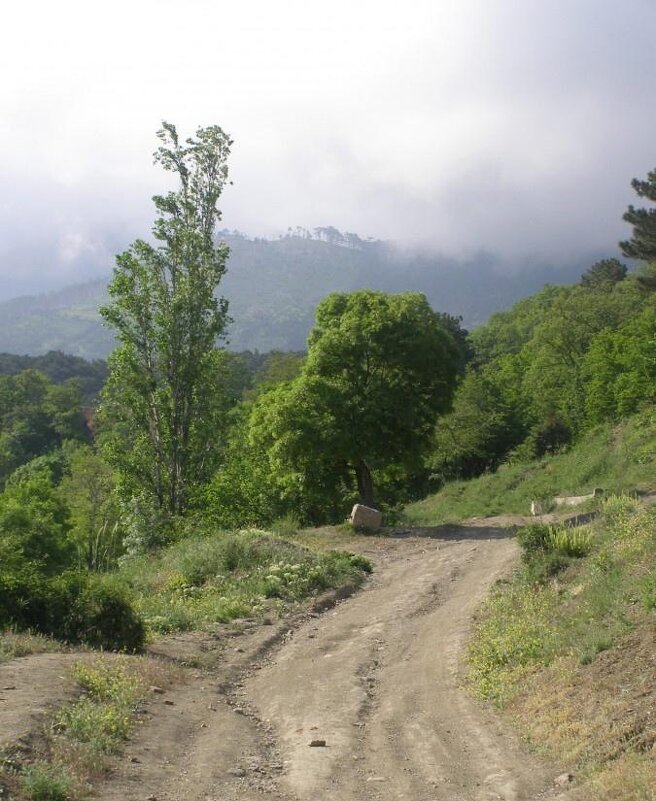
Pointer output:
380, 368
162, 400
620, 368
36, 417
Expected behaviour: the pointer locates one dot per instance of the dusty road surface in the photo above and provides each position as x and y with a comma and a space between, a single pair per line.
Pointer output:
375, 681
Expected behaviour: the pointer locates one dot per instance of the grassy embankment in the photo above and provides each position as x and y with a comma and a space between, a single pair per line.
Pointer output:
567, 646
76, 745
619, 459
216, 577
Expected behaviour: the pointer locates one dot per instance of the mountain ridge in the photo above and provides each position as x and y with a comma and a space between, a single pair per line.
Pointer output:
273, 287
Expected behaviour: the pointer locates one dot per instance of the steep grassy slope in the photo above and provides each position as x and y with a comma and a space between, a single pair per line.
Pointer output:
567, 647
618, 459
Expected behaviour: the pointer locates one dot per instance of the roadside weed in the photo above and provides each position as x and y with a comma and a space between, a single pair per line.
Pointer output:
46, 782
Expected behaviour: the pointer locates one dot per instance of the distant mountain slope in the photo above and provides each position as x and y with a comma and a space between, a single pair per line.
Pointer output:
274, 286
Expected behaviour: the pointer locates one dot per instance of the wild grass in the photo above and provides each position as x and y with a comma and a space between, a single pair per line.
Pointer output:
215, 577
14, 644
566, 647
82, 735
43, 781
620, 459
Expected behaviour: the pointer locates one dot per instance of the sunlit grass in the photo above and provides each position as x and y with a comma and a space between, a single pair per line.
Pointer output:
620, 459
547, 642
215, 577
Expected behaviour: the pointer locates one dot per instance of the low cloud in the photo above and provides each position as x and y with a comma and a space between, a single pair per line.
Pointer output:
510, 126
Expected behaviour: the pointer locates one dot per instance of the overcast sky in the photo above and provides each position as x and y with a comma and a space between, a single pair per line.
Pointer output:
513, 126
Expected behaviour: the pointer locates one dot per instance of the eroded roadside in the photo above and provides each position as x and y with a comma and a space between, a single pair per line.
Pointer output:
377, 679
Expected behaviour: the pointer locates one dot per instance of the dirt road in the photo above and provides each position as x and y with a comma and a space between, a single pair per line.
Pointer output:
378, 679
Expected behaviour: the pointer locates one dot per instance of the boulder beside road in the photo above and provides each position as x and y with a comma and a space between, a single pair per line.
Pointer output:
366, 517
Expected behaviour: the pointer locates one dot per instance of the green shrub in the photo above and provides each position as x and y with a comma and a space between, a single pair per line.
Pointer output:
75, 607
360, 562
45, 782
286, 526
575, 542
542, 567
648, 592
539, 539
534, 539
101, 726
98, 614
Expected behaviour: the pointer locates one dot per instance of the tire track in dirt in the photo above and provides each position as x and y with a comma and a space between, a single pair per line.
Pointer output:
380, 681
378, 677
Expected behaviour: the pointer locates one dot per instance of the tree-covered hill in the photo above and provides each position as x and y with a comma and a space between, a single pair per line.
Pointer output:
274, 286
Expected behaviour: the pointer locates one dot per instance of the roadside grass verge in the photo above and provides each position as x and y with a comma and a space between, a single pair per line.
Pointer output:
621, 459
216, 577
75, 746
567, 646
14, 644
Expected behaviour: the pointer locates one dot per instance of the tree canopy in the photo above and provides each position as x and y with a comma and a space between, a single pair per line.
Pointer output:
164, 392
642, 244
379, 369
604, 274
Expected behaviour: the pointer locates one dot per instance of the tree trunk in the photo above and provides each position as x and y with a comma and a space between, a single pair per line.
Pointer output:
365, 484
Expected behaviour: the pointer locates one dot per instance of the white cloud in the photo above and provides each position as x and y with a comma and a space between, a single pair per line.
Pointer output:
509, 125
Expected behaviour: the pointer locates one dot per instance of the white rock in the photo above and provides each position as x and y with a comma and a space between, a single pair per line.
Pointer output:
365, 517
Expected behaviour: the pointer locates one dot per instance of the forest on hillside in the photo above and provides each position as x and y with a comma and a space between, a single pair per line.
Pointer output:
390, 400
274, 285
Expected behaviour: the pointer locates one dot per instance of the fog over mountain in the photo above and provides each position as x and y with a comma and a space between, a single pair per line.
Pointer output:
510, 127
273, 287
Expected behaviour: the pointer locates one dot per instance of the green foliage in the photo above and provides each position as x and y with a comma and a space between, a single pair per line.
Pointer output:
34, 525
619, 459
163, 402
73, 606
43, 781
204, 580
244, 492
479, 431
516, 631
278, 367
60, 367
604, 274
544, 372
620, 369
379, 369
146, 525
89, 491
528, 623
539, 539
648, 592
286, 526
642, 244
103, 718
36, 417
103, 727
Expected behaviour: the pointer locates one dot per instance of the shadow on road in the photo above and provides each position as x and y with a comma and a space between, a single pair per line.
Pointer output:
492, 528
453, 531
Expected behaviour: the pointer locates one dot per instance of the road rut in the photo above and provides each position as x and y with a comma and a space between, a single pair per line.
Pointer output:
378, 678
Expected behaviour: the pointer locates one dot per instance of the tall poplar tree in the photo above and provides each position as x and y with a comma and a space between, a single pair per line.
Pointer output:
162, 398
